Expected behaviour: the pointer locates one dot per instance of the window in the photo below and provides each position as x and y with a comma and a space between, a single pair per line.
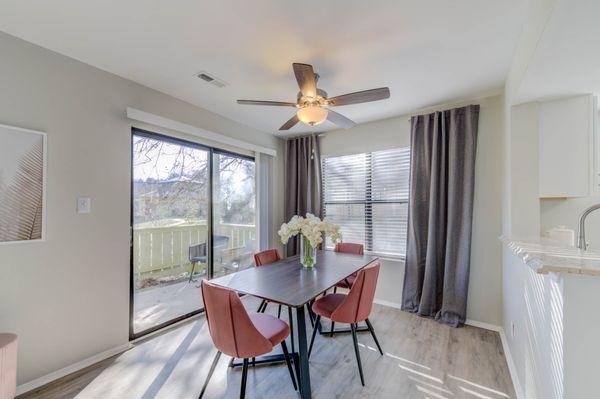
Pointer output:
367, 196
192, 218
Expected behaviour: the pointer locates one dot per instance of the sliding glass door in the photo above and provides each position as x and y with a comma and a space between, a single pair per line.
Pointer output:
192, 217
234, 239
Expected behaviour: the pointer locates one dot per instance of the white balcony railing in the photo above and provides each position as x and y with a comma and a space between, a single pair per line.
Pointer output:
163, 251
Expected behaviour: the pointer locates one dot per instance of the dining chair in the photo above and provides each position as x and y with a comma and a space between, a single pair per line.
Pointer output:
8, 365
352, 308
266, 257
348, 248
240, 334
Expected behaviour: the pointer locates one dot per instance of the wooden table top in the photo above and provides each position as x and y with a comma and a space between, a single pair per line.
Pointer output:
287, 282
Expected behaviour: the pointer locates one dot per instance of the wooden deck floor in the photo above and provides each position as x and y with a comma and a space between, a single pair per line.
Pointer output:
423, 359
159, 304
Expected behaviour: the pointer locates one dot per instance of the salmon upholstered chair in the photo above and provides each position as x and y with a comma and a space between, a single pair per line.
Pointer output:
266, 257
352, 308
239, 334
8, 365
348, 248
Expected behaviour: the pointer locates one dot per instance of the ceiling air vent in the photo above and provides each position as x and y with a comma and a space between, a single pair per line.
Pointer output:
212, 79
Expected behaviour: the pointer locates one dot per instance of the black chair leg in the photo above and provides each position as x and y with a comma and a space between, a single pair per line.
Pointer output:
260, 306
310, 314
192, 272
279, 311
210, 373
291, 320
286, 354
332, 326
370, 326
314, 333
244, 378
355, 339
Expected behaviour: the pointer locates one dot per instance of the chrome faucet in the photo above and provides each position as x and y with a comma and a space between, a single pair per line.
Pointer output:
581, 243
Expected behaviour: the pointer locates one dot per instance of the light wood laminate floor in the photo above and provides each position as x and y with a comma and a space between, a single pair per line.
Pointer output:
423, 359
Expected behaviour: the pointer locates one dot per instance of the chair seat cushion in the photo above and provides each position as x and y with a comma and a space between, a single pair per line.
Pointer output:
328, 304
351, 279
272, 328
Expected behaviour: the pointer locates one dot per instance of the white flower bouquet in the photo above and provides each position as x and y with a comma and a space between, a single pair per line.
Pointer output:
311, 229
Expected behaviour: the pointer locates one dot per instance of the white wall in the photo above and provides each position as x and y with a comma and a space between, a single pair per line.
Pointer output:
68, 298
484, 303
520, 204
565, 212
534, 304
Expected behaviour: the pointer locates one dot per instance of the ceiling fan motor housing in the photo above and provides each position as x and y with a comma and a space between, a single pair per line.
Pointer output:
321, 95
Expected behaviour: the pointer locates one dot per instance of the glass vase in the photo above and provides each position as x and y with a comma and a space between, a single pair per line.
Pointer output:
308, 254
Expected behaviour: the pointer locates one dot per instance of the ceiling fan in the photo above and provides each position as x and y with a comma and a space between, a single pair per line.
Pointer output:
313, 104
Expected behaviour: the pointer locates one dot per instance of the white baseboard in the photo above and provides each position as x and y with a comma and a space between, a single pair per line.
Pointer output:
45, 379
481, 324
387, 303
512, 368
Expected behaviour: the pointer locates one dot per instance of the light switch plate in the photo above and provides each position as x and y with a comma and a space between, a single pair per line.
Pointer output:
84, 205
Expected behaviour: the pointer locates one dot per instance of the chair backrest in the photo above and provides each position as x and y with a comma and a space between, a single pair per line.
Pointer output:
231, 329
220, 241
267, 256
197, 250
349, 248
359, 302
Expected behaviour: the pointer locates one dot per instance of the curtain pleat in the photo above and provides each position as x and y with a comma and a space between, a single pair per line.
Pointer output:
302, 181
442, 181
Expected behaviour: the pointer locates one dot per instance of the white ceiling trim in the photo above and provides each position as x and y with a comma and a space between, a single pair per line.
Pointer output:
160, 121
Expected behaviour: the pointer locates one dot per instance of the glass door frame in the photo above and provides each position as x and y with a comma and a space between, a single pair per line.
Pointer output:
209, 222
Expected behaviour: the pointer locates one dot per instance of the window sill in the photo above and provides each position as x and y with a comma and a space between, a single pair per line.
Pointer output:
392, 258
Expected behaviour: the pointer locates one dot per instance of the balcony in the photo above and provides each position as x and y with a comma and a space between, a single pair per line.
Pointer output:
161, 265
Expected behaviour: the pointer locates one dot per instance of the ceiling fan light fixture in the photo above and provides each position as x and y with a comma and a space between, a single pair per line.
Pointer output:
312, 115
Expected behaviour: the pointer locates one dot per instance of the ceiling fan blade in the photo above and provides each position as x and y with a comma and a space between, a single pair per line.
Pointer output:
260, 102
305, 75
360, 97
290, 124
340, 120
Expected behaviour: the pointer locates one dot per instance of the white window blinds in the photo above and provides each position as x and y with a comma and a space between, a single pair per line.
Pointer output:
367, 196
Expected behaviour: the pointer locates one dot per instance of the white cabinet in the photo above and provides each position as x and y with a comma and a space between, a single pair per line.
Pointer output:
567, 155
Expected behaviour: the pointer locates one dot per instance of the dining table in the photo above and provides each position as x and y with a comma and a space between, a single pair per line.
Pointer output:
289, 283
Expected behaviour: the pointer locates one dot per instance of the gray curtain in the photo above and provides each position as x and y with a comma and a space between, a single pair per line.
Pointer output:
302, 181
440, 213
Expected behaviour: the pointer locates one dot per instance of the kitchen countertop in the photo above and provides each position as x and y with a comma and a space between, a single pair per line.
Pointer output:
548, 256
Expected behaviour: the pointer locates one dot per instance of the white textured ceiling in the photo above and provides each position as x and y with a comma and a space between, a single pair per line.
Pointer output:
427, 52
567, 57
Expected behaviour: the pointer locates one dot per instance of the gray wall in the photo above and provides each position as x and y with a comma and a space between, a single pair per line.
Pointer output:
68, 298
485, 287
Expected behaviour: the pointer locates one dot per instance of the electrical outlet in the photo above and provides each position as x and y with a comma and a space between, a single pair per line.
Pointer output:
84, 205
